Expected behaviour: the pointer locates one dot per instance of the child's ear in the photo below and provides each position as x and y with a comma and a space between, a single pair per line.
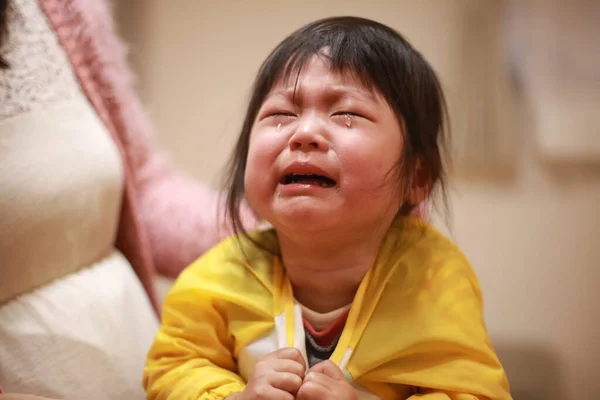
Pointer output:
420, 183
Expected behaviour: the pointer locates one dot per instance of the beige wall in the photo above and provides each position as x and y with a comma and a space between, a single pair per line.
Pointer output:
532, 236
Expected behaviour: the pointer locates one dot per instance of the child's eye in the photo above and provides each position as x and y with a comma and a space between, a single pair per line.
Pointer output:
279, 118
281, 114
347, 114
346, 118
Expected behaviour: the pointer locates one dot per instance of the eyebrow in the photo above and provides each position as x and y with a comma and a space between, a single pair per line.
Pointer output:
332, 92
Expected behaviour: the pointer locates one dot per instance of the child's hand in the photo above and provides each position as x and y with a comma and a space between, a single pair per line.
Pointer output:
325, 381
278, 376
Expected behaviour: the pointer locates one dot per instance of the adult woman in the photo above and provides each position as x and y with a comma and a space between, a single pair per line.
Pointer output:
83, 199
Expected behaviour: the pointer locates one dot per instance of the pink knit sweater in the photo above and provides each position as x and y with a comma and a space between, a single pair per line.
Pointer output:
167, 220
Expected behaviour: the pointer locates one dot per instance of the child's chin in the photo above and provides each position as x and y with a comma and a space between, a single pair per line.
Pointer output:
305, 217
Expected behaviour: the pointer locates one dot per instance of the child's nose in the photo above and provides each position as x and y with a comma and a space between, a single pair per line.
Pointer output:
309, 137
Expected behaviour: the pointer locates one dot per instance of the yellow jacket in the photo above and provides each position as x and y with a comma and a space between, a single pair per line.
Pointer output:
416, 322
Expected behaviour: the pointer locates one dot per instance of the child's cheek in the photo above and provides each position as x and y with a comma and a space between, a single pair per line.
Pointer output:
261, 168
263, 154
367, 166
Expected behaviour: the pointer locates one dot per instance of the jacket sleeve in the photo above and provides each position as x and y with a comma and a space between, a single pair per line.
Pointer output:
192, 355
445, 396
457, 358
447, 353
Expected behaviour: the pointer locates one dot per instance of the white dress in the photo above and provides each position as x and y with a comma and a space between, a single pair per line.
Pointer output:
75, 322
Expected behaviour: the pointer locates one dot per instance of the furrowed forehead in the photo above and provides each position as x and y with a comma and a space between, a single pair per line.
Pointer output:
351, 78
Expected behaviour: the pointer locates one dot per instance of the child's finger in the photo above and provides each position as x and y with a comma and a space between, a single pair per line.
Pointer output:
318, 378
316, 386
329, 369
289, 366
286, 381
274, 393
287, 353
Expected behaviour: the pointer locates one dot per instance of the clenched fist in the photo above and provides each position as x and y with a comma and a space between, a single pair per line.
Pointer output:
325, 381
277, 376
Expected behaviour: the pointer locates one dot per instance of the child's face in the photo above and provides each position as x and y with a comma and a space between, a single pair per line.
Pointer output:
326, 158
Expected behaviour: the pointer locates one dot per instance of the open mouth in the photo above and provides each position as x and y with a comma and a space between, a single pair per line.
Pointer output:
308, 179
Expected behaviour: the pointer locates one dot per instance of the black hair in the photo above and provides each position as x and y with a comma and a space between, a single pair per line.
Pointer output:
3, 29
384, 61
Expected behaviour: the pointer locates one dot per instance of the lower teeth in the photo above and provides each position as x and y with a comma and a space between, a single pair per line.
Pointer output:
320, 183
